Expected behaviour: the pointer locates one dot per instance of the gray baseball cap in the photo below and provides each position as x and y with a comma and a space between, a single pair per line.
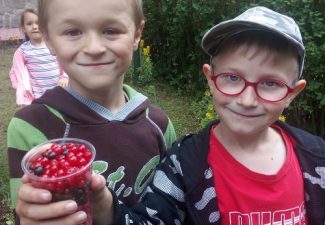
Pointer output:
257, 18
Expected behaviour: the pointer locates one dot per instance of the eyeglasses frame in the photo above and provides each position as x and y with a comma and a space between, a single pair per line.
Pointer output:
253, 84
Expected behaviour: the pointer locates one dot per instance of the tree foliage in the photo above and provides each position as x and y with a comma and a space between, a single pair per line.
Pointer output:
174, 29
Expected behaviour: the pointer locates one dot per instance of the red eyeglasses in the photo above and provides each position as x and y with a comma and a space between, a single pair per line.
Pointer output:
269, 90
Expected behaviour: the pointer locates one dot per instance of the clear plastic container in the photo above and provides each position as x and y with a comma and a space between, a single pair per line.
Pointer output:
66, 172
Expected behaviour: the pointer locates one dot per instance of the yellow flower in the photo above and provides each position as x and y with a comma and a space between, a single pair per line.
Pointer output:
210, 107
207, 93
208, 115
146, 51
141, 43
282, 118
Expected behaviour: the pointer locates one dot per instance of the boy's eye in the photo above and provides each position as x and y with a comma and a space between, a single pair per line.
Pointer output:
72, 33
271, 84
232, 77
111, 31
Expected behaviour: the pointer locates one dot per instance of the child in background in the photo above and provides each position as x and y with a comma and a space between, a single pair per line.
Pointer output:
34, 69
94, 42
248, 168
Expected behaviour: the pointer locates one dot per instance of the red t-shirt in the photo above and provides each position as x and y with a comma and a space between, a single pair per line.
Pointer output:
249, 198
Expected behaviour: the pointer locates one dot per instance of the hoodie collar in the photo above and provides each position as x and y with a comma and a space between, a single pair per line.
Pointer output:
133, 103
86, 111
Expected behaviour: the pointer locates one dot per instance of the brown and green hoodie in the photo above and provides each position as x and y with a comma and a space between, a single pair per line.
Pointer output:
128, 144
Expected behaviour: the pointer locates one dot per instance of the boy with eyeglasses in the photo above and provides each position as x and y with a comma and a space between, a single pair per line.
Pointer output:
248, 168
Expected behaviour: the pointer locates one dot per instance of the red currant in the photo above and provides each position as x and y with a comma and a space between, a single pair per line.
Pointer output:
59, 161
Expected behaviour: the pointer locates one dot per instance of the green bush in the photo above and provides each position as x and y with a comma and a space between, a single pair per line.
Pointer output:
174, 29
142, 74
204, 110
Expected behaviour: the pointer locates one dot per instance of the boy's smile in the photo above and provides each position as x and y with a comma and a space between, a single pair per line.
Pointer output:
95, 65
247, 114
94, 44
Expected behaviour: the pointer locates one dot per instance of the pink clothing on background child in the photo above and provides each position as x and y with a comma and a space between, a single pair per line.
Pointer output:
34, 71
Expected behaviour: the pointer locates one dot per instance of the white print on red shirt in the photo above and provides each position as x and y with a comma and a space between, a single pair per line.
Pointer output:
293, 216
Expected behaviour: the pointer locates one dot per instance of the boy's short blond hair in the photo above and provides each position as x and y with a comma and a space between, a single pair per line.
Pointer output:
43, 7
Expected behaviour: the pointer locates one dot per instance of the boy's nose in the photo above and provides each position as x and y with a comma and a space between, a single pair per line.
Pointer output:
248, 97
93, 45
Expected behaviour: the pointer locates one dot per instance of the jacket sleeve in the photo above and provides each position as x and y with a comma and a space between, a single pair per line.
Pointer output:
20, 79
13, 78
164, 124
162, 202
21, 137
170, 134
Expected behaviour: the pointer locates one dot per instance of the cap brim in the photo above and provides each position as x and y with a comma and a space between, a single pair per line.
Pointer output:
214, 37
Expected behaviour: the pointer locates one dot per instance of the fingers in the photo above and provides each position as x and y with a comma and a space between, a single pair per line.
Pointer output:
73, 219
63, 82
34, 207
29, 94
25, 179
31, 203
28, 193
45, 211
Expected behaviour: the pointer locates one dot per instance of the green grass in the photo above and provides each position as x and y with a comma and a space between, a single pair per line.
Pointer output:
8, 107
174, 104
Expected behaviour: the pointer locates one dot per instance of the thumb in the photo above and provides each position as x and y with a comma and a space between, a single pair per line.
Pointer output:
98, 182
25, 179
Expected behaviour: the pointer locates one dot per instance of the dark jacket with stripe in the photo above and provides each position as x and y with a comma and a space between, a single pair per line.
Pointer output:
182, 191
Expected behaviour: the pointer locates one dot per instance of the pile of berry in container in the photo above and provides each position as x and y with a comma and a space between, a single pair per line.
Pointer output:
64, 167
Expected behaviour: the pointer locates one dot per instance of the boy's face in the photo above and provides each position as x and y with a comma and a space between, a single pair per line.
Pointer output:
94, 41
247, 114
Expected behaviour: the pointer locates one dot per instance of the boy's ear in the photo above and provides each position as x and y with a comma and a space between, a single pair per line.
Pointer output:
208, 73
137, 35
299, 87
